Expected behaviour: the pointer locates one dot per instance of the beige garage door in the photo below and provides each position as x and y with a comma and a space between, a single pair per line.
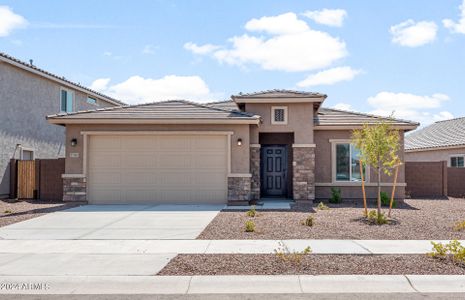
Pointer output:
157, 169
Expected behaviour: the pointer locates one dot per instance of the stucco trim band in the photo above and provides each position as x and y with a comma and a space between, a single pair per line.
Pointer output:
303, 145
342, 184
255, 146
239, 175
158, 132
73, 176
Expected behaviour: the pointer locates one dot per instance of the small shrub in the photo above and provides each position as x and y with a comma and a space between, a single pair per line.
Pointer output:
374, 218
308, 222
385, 200
8, 211
322, 206
459, 226
335, 195
249, 226
295, 257
252, 212
453, 250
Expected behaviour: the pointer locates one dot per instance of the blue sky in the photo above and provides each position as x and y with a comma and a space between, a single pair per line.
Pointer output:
370, 56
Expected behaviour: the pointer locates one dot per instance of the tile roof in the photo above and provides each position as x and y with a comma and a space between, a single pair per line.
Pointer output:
30, 67
446, 133
279, 92
335, 117
172, 109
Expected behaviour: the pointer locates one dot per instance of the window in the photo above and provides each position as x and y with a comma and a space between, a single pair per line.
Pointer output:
457, 161
279, 115
67, 103
91, 100
347, 163
26, 154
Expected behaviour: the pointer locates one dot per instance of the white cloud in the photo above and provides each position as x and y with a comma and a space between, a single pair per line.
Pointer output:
343, 106
329, 77
288, 44
149, 49
413, 34
287, 23
100, 84
457, 27
407, 106
330, 17
10, 21
137, 89
201, 50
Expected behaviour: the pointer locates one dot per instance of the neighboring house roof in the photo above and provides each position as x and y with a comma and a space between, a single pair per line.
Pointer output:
442, 134
61, 80
178, 111
336, 117
280, 93
328, 117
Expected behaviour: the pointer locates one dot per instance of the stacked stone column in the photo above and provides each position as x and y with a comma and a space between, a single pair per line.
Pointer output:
303, 173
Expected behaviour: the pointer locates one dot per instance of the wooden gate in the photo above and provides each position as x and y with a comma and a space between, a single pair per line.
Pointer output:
26, 179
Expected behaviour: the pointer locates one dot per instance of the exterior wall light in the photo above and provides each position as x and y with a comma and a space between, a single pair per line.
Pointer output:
239, 142
73, 142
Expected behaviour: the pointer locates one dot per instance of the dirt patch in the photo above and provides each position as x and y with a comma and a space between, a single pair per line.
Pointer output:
312, 264
415, 219
14, 212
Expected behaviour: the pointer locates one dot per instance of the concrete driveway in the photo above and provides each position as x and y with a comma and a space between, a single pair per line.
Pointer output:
116, 222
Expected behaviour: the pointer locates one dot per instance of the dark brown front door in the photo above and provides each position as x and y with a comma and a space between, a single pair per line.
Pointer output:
273, 169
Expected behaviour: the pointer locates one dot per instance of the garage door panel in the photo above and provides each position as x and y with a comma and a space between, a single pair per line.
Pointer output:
160, 168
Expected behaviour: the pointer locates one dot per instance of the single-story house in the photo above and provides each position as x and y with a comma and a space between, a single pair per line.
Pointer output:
270, 144
440, 141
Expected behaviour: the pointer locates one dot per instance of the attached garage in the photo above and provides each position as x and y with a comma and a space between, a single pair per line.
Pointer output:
164, 168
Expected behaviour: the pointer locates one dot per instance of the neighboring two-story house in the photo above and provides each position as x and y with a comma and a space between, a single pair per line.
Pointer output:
276, 143
27, 95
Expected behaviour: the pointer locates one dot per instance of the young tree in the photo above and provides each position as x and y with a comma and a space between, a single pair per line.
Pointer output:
378, 145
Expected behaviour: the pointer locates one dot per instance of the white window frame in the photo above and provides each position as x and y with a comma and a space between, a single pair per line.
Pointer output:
334, 143
21, 152
273, 121
449, 162
96, 100
74, 99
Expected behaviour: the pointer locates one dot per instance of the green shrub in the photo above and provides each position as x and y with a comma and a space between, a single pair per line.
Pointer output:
308, 222
322, 206
374, 218
385, 200
459, 226
453, 250
295, 257
335, 195
8, 211
249, 226
252, 212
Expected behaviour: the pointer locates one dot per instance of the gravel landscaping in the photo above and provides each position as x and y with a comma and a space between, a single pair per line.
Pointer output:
416, 219
311, 264
14, 212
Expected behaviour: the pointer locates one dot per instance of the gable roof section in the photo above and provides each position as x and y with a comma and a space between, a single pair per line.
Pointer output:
60, 80
329, 117
165, 112
442, 134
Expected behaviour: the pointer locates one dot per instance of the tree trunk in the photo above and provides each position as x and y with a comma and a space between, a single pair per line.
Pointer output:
379, 190
365, 209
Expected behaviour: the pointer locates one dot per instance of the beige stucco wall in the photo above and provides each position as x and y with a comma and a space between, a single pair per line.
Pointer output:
324, 167
435, 155
300, 121
240, 162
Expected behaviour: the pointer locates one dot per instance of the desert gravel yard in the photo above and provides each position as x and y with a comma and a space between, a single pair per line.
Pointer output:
14, 212
311, 264
417, 219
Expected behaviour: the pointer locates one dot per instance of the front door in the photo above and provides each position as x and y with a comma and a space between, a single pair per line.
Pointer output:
274, 171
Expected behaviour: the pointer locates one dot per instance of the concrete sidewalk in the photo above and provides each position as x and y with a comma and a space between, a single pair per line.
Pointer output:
292, 284
212, 246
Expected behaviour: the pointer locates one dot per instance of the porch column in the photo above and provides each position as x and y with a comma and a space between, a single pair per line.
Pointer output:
255, 171
303, 172
74, 187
